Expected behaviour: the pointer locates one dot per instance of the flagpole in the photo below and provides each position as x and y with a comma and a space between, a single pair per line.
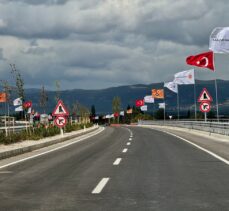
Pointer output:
216, 96
164, 105
216, 91
178, 106
195, 95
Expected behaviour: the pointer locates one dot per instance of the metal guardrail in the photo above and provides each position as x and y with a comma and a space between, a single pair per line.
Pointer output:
211, 127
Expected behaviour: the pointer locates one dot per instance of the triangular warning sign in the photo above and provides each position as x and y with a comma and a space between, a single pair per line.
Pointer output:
205, 96
60, 109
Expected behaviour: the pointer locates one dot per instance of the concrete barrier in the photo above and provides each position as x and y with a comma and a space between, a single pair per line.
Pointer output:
211, 127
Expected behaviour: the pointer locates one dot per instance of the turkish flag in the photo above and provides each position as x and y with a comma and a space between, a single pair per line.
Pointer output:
139, 103
205, 60
116, 114
27, 104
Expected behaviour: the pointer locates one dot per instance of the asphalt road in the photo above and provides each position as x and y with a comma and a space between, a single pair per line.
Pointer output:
153, 171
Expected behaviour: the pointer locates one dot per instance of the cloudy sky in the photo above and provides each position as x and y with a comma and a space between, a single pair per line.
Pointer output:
93, 44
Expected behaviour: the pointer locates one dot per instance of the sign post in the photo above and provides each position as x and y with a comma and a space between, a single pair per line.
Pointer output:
61, 113
204, 100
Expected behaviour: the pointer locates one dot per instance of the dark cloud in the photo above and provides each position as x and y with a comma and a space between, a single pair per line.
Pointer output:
97, 43
39, 2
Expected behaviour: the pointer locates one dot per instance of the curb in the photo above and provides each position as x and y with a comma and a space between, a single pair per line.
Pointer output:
22, 150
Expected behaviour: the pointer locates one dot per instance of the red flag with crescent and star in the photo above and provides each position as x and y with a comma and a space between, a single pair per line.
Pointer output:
205, 60
139, 103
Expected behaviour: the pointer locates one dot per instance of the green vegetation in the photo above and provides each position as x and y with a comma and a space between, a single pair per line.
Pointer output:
39, 132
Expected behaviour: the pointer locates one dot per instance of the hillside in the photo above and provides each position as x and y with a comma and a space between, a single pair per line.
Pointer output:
102, 99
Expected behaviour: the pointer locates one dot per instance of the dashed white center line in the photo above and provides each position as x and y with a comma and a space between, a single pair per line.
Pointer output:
128, 143
130, 139
125, 150
117, 161
98, 189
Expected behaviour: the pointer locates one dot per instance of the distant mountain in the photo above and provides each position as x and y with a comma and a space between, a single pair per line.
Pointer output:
102, 99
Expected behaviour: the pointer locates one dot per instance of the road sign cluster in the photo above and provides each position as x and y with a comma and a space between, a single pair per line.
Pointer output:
205, 100
61, 113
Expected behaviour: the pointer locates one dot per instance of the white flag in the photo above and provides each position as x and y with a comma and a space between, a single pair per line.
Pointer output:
219, 40
108, 116
19, 108
121, 113
149, 99
17, 102
185, 77
29, 110
143, 108
161, 105
171, 86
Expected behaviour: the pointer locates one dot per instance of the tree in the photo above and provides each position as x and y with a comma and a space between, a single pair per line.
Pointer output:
43, 98
81, 111
116, 106
57, 85
93, 112
19, 82
159, 114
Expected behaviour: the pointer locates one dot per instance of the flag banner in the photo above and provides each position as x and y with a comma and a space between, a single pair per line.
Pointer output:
139, 103
219, 40
29, 110
184, 77
3, 97
205, 60
20, 108
148, 99
27, 104
17, 102
143, 108
116, 114
158, 93
129, 111
161, 105
122, 113
108, 116
172, 86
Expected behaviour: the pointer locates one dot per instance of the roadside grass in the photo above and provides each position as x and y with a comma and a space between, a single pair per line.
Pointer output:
36, 133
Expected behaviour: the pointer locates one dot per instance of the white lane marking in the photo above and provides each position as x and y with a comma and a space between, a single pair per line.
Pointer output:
130, 139
98, 189
128, 143
117, 161
52, 150
201, 148
125, 150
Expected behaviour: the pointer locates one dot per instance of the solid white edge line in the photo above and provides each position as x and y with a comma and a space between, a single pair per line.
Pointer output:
52, 150
128, 143
125, 150
201, 148
98, 189
117, 161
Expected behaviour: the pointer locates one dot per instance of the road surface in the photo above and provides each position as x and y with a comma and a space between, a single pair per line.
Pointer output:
119, 169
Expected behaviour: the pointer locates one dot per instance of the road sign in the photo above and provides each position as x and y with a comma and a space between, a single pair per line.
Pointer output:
205, 96
60, 109
205, 107
60, 121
